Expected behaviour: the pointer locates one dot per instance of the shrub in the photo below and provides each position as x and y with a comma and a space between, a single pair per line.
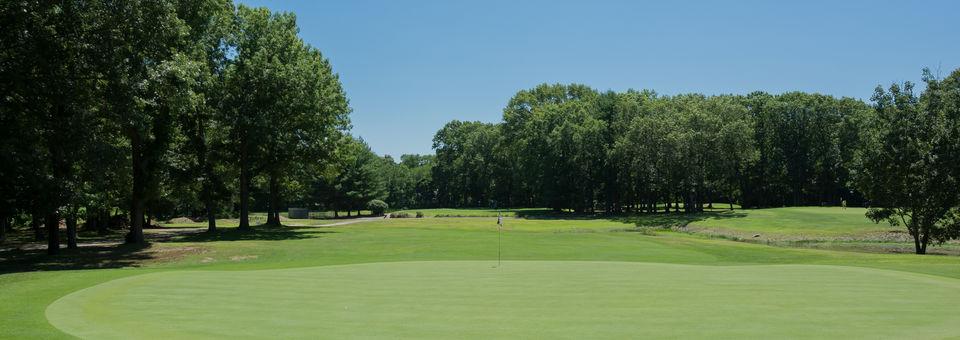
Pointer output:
399, 215
419, 214
377, 207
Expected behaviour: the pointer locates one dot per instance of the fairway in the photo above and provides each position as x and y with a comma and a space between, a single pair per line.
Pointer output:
521, 299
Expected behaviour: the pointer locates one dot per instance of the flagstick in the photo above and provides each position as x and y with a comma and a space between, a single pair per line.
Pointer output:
499, 228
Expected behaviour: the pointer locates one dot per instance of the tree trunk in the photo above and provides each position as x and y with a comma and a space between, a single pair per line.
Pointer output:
924, 241
103, 223
244, 194
137, 204
916, 242
90, 221
71, 221
211, 217
207, 190
52, 223
4, 222
35, 224
273, 215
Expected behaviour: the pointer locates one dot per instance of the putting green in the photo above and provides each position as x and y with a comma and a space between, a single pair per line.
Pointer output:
524, 299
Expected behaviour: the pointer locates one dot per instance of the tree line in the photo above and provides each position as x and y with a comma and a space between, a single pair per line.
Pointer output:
117, 112
570, 147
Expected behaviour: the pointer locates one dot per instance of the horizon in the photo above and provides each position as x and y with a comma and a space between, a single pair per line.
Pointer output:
403, 73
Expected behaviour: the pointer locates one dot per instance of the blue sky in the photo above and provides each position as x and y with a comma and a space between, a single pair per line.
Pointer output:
411, 66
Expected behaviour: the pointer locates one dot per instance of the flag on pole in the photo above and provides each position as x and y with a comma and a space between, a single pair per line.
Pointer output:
499, 230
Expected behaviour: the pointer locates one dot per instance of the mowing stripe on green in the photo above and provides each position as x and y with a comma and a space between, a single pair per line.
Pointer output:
521, 299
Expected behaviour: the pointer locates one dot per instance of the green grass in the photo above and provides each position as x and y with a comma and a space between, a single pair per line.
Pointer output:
526, 299
475, 212
812, 221
702, 286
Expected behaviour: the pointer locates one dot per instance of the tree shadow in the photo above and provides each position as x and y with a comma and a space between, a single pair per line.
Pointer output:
23, 254
659, 219
259, 233
86, 257
550, 214
673, 220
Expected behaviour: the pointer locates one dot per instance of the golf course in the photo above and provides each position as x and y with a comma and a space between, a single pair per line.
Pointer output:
276, 169
561, 276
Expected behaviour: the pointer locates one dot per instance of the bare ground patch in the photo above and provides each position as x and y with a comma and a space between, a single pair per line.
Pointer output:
98, 252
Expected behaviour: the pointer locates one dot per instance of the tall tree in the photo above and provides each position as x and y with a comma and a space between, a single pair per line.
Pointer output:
141, 45
255, 87
909, 169
211, 26
52, 89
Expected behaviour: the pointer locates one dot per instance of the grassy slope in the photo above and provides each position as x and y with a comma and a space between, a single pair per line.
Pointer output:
26, 295
813, 221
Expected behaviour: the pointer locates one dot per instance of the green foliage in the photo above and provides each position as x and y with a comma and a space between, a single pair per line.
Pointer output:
378, 207
910, 166
570, 147
147, 107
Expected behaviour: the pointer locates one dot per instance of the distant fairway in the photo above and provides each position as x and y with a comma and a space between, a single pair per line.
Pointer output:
523, 299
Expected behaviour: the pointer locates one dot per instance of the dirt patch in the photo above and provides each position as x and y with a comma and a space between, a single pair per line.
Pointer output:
880, 236
892, 241
243, 257
180, 220
94, 256
171, 254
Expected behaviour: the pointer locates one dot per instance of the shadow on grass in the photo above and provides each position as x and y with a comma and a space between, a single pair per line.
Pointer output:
101, 252
674, 220
258, 233
86, 257
549, 214
660, 219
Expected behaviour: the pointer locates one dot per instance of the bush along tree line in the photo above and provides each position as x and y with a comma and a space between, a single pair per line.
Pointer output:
570, 147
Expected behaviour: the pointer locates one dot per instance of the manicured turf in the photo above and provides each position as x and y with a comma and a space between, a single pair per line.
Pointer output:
233, 259
530, 299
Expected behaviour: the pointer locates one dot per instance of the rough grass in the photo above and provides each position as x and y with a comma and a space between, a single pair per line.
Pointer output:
801, 221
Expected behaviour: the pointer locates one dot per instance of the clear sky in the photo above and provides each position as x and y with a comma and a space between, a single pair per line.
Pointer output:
411, 66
